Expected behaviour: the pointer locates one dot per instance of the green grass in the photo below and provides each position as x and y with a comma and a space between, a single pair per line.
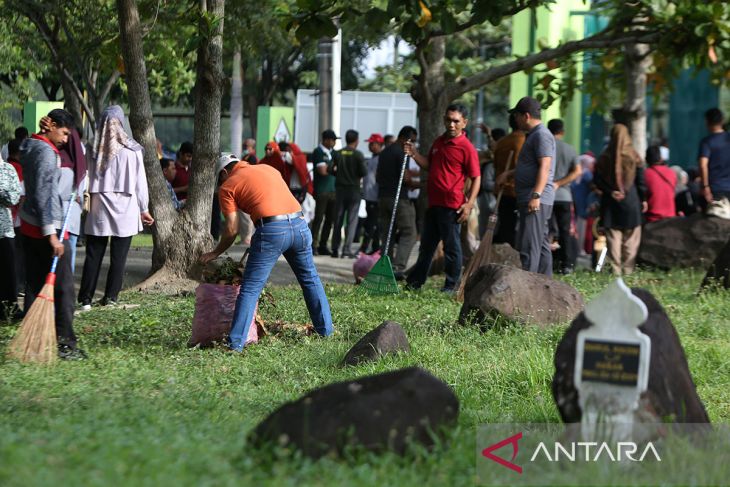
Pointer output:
142, 240
145, 410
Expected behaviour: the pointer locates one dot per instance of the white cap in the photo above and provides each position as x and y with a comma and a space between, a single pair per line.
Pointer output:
225, 159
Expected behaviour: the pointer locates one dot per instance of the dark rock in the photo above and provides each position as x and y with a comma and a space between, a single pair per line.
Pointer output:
692, 241
719, 271
518, 295
671, 392
389, 337
379, 412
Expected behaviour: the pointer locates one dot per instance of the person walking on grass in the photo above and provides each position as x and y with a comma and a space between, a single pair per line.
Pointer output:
119, 205
280, 229
370, 192
451, 162
41, 218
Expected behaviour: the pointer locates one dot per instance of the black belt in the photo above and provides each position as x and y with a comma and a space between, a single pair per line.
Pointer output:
277, 218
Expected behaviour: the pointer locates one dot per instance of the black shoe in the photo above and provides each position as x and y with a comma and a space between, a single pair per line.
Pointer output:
324, 251
108, 302
335, 254
68, 353
399, 275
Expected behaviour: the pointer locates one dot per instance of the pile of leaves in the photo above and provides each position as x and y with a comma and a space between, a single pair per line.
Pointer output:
226, 271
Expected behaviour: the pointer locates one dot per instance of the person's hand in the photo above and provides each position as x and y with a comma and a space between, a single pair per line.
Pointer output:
533, 205
147, 218
207, 257
56, 245
618, 195
409, 148
707, 193
485, 128
45, 123
556, 185
501, 179
464, 211
644, 206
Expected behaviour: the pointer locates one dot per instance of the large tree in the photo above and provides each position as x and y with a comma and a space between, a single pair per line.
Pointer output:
179, 237
431, 25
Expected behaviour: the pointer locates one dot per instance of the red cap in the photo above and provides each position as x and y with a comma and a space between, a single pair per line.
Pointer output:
376, 138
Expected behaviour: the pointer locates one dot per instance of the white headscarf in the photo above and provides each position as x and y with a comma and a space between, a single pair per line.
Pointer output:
111, 137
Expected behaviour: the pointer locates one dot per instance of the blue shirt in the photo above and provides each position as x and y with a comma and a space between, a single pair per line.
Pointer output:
175, 202
716, 147
539, 143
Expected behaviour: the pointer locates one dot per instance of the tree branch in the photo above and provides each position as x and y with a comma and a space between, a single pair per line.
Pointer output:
597, 41
476, 21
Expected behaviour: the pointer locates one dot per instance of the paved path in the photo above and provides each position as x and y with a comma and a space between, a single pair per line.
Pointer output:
138, 265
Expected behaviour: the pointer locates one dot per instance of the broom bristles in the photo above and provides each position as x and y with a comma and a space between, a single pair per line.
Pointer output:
481, 257
35, 340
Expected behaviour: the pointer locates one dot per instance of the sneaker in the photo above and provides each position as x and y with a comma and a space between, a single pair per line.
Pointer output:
71, 353
349, 256
324, 251
334, 254
108, 302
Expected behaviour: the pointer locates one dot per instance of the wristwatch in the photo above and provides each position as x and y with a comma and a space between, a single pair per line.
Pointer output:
536, 195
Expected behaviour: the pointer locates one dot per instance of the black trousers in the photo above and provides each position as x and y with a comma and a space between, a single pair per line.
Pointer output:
8, 278
346, 202
325, 211
215, 218
38, 258
95, 250
370, 227
439, 225
506, 231
568, 251
19, 260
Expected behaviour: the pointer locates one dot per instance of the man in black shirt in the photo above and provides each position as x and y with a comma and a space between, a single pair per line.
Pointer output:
390, 162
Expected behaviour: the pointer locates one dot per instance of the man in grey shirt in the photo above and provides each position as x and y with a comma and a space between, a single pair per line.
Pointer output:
567, 170
534, 187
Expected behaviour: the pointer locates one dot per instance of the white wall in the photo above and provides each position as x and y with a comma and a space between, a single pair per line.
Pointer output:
364, 111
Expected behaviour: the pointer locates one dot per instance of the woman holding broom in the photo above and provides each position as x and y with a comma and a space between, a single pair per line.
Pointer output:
41, 216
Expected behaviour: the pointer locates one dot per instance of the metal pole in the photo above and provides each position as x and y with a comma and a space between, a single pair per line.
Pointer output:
324, 58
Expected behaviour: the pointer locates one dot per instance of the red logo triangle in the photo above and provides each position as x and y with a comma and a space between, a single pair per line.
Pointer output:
487, 452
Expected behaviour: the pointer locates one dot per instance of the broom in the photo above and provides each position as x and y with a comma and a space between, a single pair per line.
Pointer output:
36, 338
484, 252
381, 279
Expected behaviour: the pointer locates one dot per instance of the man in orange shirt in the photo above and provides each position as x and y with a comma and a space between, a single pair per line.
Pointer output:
260, 191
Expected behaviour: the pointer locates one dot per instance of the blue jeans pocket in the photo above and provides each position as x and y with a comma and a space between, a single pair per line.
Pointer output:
306, 236
268, 241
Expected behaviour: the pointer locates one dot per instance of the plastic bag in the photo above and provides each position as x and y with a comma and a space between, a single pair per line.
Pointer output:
214, 305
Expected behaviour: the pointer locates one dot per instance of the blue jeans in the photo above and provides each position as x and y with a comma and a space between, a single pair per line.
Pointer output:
293, 239
439, 225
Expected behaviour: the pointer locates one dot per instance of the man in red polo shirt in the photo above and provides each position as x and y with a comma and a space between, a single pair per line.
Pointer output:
260, 191
451, 161
182, 171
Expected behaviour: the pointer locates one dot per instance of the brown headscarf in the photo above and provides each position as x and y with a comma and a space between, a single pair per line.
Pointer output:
72, 156
617, 164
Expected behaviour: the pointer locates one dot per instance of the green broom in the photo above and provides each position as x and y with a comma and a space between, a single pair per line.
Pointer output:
381, 279
36, 338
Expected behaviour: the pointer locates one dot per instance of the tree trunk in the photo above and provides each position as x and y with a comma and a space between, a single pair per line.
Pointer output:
638, 62
429, 92
206, 134
72, 104
168, 234
236, 104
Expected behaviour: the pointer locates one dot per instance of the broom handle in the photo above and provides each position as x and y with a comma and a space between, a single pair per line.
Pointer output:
63, 229
395, 204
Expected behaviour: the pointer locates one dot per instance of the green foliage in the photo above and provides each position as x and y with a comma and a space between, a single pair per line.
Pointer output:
145, 410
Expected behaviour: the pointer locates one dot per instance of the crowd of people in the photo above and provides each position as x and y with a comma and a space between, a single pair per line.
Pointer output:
549, 201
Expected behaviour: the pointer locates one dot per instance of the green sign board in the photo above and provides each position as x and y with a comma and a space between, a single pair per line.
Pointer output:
274, 123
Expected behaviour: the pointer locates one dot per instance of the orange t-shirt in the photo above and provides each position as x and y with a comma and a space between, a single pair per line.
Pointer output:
257, 190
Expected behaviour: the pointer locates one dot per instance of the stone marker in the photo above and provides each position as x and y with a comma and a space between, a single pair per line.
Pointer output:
615, 367
719, 271
518, 295
379, 412
693, 241
389, 337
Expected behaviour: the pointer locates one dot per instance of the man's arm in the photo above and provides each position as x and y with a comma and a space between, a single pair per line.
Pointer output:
465, 209
543, 173
411, 151
228, 236
573, 174
705, 174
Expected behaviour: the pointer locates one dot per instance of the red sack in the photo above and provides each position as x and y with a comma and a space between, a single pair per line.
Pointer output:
214, 305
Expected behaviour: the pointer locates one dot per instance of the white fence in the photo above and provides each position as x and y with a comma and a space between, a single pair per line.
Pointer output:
364, 111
